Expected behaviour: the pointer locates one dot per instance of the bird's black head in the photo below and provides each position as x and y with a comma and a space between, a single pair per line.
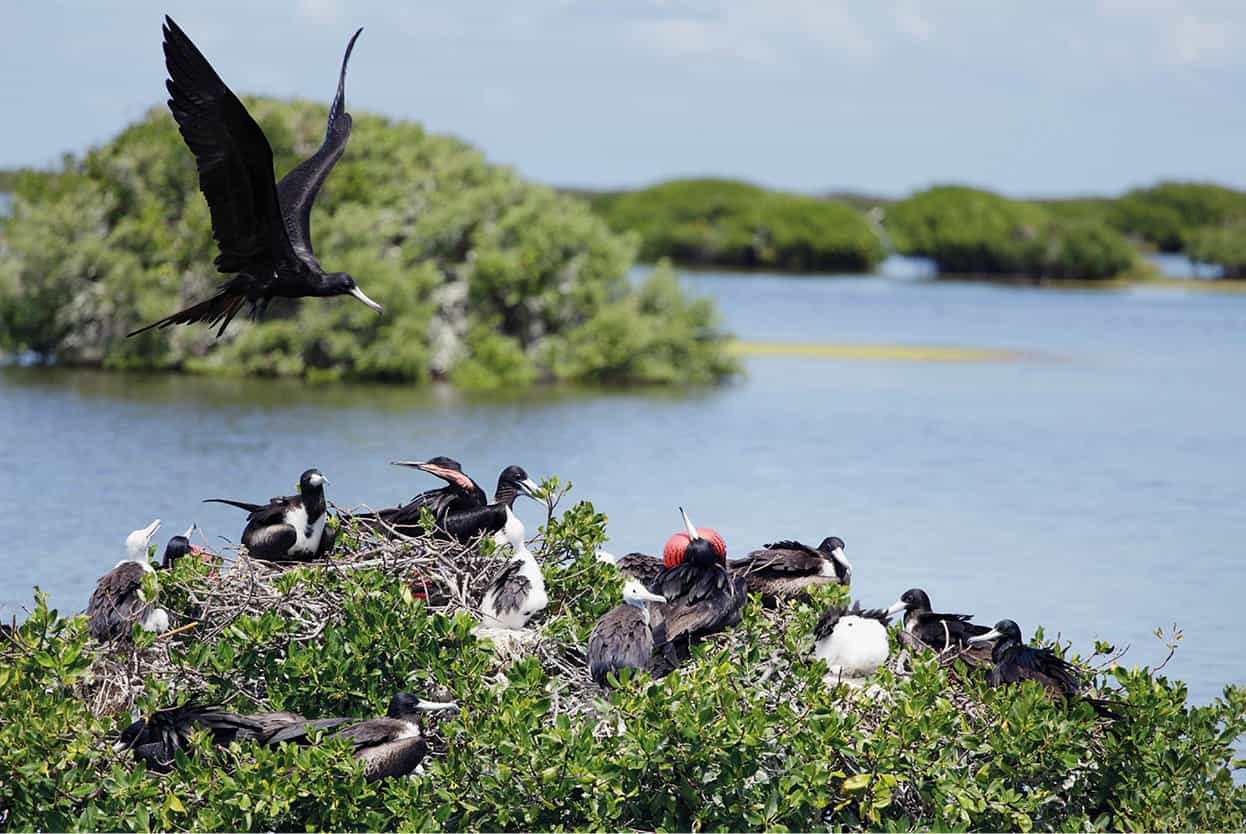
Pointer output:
1008, 630
341, 283
514, 481
831, 543
177, 547
702, 552
915, 599
448, 463
311, 482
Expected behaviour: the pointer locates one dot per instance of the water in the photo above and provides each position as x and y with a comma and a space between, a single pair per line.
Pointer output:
1092, 484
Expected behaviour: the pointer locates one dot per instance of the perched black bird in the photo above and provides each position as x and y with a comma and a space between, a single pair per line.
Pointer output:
290, 528
118, 602
939, 631
262, 228
787, 569
1016, 662
389, 746
634, 565
702, 596
460, 508
624, 638
155, 740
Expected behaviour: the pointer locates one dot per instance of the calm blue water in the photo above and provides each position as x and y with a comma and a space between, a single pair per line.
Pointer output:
1095, 486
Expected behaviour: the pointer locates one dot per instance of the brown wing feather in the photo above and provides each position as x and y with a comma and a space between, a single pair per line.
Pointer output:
115, 603
510, 588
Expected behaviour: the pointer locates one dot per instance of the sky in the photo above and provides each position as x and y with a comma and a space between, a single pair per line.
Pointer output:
881, 96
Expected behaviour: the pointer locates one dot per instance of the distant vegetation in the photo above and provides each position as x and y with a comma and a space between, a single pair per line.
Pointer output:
724, 223
968, 231
964, 230
486, 279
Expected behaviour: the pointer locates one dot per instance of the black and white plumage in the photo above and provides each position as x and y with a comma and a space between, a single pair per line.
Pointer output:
634, 565
1016, 662
703, 598
786, 569
517, 593
388, 747
262, 228
852, 641
290, 528
939, 631
156, 740
118, 601
624, 637
460, 509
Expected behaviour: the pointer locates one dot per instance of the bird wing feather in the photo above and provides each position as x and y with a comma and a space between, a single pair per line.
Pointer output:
620, 640
641, 566
234, 159
510, 587
297, 190
115, 603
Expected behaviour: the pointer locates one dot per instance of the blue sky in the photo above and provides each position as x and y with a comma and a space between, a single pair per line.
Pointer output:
885, 96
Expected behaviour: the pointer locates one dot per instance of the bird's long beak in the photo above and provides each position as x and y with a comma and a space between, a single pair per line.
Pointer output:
896, 608
430, 706
362, 296
150, 529
648, 596
985, 638
692, 531
530, 488
838, 553
414, 464
189, 530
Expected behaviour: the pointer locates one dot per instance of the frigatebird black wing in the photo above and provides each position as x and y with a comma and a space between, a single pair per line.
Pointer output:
642, 566
242, 505
115, 604
233, 156
374, 731
1029, 664
701, 601
789, 544
463, 525
510, 588
300, 730
298, 189
620, 640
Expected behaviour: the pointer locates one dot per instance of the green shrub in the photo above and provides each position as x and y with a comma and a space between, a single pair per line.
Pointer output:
726, 223
973, 232
747, 736
484, 277
1224, 245
1169, 213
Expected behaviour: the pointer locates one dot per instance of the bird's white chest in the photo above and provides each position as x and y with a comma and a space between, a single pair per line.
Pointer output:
856, 648
307, 535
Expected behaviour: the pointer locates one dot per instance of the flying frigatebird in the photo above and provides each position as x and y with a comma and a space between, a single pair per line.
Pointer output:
262, 227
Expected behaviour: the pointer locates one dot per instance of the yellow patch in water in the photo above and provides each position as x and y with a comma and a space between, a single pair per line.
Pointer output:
899, 353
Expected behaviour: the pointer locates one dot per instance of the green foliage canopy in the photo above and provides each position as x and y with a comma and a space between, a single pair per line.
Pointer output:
727, 223
484, 277
974, 232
